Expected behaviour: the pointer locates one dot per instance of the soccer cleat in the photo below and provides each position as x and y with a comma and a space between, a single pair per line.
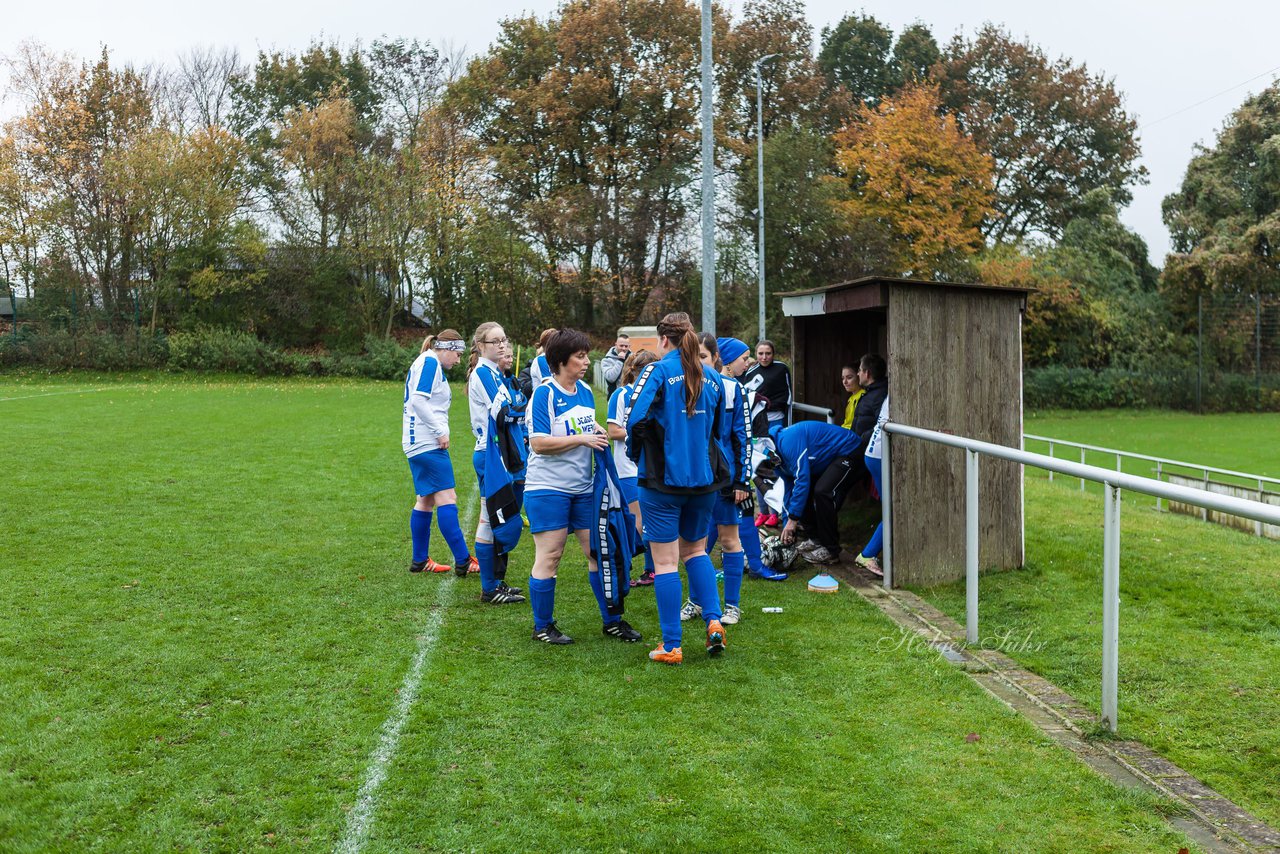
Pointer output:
622, 631
870, 564
760, 519
463, 569
502, 595
473, 565
428, 565
715, 638
645, 579
666, 656
719, 575
732, 613
505, 586
822, 556
417, 565
689, 611
552, 634
824, 583
767, 574
771, 521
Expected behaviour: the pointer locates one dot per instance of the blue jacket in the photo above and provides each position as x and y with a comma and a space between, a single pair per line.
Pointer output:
806, 449
735, 432
615, 540
676, 453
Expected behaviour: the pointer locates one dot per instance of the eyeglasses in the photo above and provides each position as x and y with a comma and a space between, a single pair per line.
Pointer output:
494, 341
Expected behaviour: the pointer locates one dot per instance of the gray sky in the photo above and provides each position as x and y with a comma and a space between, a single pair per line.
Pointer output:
1165, 57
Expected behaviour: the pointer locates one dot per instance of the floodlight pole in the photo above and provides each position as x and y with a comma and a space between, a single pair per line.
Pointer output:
760, 184
708, 179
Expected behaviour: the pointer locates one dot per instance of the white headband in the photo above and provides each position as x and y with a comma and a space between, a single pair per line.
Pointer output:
457, 345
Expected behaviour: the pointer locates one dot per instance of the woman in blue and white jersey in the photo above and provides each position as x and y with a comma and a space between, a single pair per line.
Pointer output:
559, 484
672, 434
869, 557
619, 404
425, 438
488, 395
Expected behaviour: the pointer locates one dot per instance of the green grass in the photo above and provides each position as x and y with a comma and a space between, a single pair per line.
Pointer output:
207, 619
1199, 613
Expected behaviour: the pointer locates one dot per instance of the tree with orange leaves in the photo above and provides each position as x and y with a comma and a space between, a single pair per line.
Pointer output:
918, 180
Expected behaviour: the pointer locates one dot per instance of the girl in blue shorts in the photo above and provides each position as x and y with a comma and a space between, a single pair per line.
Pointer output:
559, 484
488, 395
672, 433
425, 438
619, 406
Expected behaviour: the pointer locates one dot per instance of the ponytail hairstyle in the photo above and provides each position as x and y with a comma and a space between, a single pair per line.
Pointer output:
706, 339
482, 331
678, 329
443, 335
545, 337
636, 363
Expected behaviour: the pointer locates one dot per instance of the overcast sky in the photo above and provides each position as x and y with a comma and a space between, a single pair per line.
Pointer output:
1166, 57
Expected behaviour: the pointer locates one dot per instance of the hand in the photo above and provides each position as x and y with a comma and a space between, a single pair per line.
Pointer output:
789, 531
443, 442
740, 495
596, 439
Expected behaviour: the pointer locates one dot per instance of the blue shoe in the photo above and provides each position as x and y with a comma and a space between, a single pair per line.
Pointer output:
767, 574
719, 575
823, 583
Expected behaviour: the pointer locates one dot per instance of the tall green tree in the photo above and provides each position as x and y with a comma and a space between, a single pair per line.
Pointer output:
856, 56
1055, 130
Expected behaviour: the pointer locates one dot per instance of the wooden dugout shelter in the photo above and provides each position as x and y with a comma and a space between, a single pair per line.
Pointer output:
954, 352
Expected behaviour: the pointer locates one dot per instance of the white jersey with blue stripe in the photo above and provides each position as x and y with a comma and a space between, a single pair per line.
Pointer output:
485, 389
557, 413
619, 404
875, 445
426, 406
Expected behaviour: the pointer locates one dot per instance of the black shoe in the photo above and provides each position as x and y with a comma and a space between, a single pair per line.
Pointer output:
622, 631
516, 590
502, 596
418, 565
552, 634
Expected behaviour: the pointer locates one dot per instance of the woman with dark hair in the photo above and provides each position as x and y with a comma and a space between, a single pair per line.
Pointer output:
672, 433
619, 406
559, 483
425, 439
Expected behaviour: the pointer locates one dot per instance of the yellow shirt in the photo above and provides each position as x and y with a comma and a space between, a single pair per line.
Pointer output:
850, 406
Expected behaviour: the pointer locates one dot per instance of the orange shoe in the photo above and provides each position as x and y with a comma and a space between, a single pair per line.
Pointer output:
432, 566
715, 638
666, 656
473, 565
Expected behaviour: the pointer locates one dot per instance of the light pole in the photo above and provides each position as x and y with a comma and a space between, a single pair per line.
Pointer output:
708, 179
760, 182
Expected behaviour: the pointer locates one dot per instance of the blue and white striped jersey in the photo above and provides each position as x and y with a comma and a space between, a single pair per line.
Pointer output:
555, 412
619, 404
426, 406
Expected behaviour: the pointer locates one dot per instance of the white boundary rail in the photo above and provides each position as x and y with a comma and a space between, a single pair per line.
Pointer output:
1161, 464
816, 410
1112, 481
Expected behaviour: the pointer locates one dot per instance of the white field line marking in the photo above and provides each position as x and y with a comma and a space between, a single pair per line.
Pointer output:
54, 393
360, 819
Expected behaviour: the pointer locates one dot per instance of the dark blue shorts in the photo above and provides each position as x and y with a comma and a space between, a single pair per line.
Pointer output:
666, 517
725, 512
432, 472
549, 510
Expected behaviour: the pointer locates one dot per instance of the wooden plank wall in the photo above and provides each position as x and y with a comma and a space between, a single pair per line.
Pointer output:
955, 363
830, 341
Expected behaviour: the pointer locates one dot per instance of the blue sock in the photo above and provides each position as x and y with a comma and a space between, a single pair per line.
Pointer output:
667, 591
484, 554
447, 519
420, 530
597, 587
702, 586
733, 563
542, 596
750, 538
876, 543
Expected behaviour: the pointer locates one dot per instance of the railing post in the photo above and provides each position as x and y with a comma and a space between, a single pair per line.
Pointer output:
971, 546
1051, 470
1159, 477
886, 510
1110, 604
1257, 523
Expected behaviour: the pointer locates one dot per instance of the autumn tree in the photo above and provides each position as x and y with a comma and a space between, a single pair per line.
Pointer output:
918, 180
1054, 129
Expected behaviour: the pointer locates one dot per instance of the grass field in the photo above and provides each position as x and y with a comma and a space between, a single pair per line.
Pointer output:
1200, 604
209, 634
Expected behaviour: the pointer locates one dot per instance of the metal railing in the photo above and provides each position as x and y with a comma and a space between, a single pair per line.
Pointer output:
1112, 481
1161, 464
825, 412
